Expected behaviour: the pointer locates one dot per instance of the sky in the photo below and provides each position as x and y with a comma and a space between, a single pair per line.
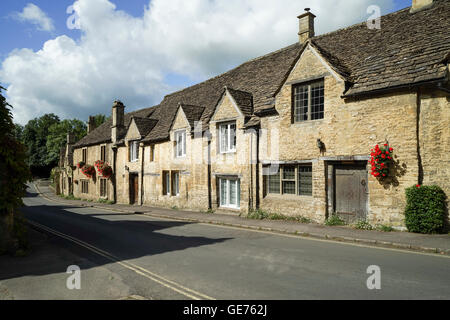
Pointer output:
74, 58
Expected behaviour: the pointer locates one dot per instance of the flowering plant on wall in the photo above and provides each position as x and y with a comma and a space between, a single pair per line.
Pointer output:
381, 159
103, 168
99, 163
88, 170
80, 164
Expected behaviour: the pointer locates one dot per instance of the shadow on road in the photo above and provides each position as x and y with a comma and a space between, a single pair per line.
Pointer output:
126, 238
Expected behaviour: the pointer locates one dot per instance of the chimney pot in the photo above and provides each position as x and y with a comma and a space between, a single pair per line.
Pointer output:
118, 120
306, 26
70, 138
91, 124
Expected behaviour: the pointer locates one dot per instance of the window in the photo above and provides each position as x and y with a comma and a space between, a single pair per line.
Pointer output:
273, 182
305, 181
171, 183
134, 151
180, 144
166, 183
152, 153
308, 101
84, 186
103, 153
227, 137
103, 187
84, 156
290, 179
175, 183
230, 193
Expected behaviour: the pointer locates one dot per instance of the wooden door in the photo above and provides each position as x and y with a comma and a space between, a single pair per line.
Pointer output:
351, 193
134, 188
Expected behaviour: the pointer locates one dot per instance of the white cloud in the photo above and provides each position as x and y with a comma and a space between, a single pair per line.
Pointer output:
120, 56
33, 14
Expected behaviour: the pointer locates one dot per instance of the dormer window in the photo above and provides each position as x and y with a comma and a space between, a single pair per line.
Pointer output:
180, 144
227, 137
308, 101
134, 151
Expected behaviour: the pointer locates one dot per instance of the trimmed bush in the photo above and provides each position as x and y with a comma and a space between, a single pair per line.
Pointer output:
425, 209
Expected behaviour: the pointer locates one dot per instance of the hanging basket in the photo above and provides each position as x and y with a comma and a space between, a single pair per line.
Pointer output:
103, 168
88, 170
80, 164
381, 160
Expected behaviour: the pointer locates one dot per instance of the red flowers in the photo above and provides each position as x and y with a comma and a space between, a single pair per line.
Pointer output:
88, 170
103, 168
380, 160
418, 185
80, 164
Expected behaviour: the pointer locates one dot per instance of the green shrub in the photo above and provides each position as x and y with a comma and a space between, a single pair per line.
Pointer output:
257, 214
261, 215
425, 209
71, 197
363, 225
384, 228
334, 220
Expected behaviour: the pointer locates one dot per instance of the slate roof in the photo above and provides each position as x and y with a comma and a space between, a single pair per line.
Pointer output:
144, 125
408, 49
102, 134
193, 113
243, 99
262, 77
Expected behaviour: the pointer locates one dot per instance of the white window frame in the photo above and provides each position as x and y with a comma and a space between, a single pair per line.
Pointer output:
230, 144
134, 151
227, 203
175, 180
180, 149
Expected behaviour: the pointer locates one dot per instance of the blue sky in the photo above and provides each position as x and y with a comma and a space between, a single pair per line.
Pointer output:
172, 63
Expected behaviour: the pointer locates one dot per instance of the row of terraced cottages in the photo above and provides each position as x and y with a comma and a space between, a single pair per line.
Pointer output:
291, 132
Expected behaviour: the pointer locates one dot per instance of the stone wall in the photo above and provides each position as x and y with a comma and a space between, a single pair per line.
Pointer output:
350, 128
434, 138
93, 154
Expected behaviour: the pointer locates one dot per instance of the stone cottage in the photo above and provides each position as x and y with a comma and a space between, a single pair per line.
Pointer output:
292, 131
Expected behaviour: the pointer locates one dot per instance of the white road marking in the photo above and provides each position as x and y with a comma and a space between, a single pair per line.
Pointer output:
190, 293
149, 216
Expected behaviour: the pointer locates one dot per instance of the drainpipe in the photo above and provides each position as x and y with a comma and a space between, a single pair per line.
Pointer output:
419, 157
250, 196
114, 177
257, 168
141, 189
209, 173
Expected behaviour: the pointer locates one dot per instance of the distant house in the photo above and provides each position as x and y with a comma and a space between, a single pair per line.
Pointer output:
292, 131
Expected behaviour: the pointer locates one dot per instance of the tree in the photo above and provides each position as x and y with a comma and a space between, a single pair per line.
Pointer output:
14, 173
34, 136
57, 137
100, 119
18, 131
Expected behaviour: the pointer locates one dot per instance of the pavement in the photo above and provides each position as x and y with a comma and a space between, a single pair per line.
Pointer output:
437, 244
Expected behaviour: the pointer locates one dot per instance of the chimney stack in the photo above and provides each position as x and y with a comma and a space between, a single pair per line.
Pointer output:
91, 124
418, 5
70, 138
306, 26
118, 121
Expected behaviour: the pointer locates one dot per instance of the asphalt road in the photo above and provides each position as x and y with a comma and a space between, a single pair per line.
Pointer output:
162, 259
